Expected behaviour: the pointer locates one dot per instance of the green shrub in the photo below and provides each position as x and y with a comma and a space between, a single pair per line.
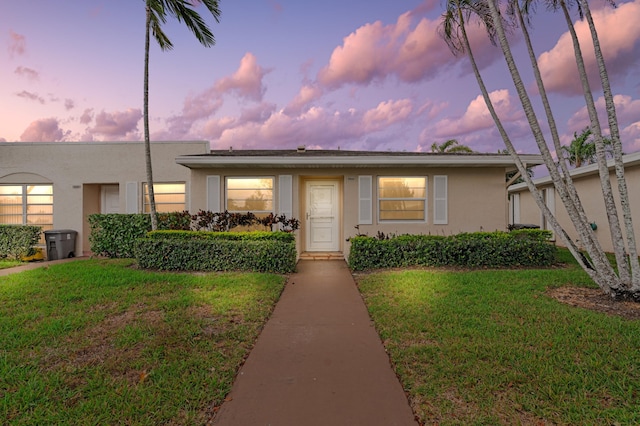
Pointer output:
217, 251
17, 241
213, 235
479, 249
114, 235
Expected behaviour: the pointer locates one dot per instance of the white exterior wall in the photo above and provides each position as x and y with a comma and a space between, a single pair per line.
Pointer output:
590, 192
77, 169
476, 197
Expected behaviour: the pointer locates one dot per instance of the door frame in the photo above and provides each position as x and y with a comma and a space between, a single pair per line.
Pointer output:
337, 225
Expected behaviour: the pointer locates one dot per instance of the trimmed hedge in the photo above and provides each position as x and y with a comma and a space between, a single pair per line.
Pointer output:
114, 235
286, 237
17, 241
217, 251
479, 249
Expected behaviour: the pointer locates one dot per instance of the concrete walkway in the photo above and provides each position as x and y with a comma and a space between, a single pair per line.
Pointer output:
34, 265
318, 360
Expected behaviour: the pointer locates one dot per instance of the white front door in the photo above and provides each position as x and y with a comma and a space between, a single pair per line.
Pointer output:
322, 221
110, 199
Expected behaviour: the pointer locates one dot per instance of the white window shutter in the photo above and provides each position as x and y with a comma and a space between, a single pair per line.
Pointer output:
132, 197
365, 206
551, 200
285, 195
213, 194
440, 213
515, 208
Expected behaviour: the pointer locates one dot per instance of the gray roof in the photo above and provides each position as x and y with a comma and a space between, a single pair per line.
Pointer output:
309, 158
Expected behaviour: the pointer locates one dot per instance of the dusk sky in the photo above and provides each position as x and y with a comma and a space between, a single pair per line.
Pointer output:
354, 74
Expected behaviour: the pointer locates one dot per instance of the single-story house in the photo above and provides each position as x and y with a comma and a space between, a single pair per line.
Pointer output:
523, 208
336, 194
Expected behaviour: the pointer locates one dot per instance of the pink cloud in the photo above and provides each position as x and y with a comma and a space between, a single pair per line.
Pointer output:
26, 72
619, 34
307, 94
117, 125
17, 44
43, 130
194, 108
631, 138
410, 53
30, 96
316, 126
246, 81
362, 57
87, 116
628, 113
69, 104
477, 116
387, 114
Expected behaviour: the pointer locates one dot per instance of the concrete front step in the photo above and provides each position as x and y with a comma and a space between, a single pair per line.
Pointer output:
317, 255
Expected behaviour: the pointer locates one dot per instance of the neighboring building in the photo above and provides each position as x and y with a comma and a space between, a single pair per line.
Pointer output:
331, 192
586, 179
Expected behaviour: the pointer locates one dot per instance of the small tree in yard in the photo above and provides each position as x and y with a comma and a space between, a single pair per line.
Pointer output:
156, 15
625, 282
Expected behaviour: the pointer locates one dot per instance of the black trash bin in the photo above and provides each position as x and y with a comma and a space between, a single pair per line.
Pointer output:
61, 243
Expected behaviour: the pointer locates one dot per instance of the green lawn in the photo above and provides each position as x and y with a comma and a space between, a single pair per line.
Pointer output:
5, 263
98, 342
489, 347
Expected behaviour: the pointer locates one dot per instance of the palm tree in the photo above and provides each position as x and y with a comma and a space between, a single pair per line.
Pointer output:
156, 15
452, 30
582, 149
600, 146
451, 146
623, 190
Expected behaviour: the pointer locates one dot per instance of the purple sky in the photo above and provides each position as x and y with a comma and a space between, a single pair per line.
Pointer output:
351, 74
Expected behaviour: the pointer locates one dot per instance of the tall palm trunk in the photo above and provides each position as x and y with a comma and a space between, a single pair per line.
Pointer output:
537, 196
147, 139
601, 160
617, 150
564, 183
606, 277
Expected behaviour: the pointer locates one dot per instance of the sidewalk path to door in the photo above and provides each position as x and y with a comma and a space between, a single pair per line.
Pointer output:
318, 360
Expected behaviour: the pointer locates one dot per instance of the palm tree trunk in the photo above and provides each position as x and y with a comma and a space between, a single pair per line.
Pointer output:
147, 139
595, 274
603, 274
564, 183
605, 182
617, 151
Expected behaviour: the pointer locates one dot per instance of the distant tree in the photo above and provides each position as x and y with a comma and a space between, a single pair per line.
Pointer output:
451, 146
156, 15
582, 149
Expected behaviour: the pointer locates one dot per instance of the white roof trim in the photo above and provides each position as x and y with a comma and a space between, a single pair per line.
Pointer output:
209, 161
591, 169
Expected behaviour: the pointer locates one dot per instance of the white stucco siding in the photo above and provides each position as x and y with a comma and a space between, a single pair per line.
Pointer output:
77, 170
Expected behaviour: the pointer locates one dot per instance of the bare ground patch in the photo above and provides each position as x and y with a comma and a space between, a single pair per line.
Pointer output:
595, 300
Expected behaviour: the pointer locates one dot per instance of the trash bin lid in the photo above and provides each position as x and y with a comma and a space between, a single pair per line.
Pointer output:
60, 231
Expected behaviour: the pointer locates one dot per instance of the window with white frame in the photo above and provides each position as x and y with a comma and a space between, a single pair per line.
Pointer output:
402, 198
27, 205
249, 194
170, 197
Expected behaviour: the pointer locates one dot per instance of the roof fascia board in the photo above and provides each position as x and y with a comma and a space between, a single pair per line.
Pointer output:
353, 161
591, 169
